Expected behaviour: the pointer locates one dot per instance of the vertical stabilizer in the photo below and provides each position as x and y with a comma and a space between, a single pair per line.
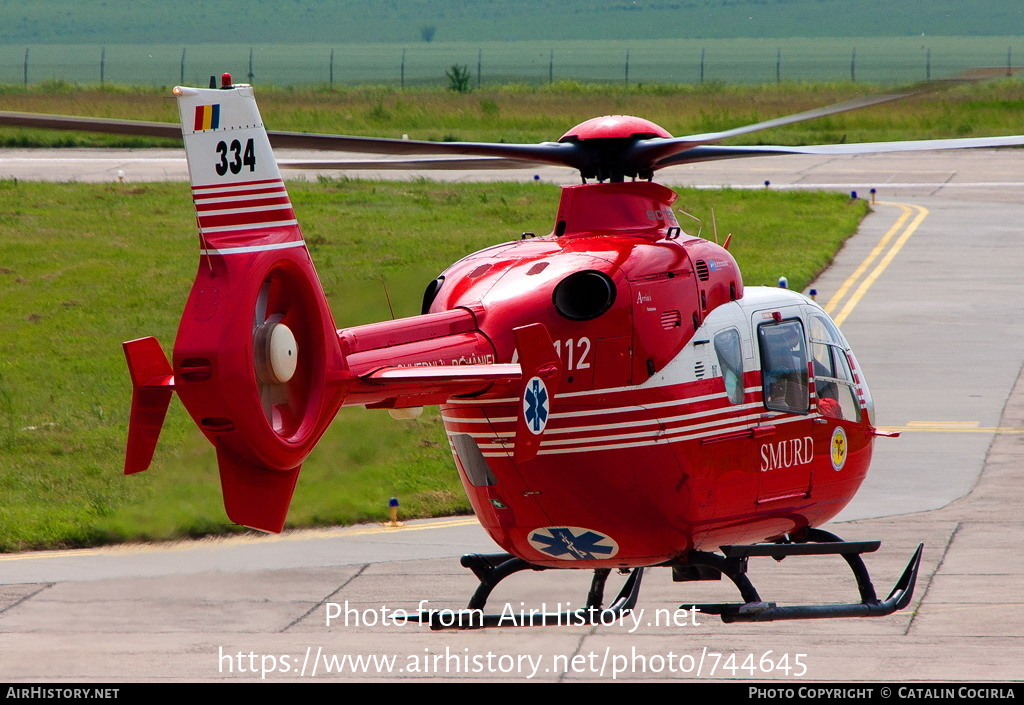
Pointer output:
237, 189
256, 339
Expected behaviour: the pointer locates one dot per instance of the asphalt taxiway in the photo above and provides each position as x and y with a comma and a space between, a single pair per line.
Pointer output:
932, 298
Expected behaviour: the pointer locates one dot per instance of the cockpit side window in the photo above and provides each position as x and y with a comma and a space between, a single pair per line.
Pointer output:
730, 357
834, 384
784, 366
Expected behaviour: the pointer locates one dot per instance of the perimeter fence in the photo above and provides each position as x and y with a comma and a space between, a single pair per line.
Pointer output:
887, 60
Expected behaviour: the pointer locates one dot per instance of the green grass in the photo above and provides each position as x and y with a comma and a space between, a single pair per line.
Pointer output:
519, 113
86, 266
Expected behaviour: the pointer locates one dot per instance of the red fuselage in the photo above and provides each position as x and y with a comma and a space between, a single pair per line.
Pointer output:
645, 454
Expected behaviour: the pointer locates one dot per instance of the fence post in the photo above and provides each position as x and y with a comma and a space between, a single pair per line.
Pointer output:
181, 76
928, 64
627, 67
551, 67
479, 64
26, 67
702, 65
853, 66
103, 61
330, 71
778, 66
251, 75
402, 72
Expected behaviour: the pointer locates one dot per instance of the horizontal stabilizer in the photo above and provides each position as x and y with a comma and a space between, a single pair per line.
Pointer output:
444, 373
152, 384
254, 496
397, 387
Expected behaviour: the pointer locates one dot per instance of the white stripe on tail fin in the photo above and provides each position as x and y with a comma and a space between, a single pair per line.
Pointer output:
241, 202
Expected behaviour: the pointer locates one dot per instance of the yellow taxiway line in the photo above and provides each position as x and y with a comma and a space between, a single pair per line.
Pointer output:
907, 230
231, 541
950, 427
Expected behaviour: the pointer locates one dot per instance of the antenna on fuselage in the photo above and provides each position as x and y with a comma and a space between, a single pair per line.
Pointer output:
387, 296
700, 224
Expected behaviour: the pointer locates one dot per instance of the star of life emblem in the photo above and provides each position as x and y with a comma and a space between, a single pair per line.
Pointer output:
535, 405
573, 543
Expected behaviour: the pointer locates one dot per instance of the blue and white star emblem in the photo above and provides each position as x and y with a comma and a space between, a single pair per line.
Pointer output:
535, 405
573, 543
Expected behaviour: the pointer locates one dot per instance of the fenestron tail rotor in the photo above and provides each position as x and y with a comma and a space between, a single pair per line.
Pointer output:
275, 358
283, 385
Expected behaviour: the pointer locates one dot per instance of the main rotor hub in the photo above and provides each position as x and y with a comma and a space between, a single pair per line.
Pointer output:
615, 127
605, 147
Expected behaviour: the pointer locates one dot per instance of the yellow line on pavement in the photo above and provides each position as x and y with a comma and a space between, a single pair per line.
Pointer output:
227, 542
852, 279
920, 427
851, 304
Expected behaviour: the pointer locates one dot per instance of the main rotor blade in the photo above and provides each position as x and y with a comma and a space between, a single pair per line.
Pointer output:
544, 152
451, 163
108, 126
707, 153
655, 150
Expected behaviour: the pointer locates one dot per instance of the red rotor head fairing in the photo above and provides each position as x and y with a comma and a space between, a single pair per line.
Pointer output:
615, 127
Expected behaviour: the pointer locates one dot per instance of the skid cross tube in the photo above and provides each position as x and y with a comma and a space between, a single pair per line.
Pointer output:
491, 568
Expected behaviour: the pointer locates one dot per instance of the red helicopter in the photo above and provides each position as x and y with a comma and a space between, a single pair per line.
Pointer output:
615, 398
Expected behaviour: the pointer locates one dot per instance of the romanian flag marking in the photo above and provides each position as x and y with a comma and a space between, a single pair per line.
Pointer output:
207, 117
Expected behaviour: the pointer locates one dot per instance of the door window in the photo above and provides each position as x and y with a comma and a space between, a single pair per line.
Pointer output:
784, 366
833, 380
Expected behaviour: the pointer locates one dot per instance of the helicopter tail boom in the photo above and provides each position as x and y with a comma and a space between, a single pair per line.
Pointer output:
258, 361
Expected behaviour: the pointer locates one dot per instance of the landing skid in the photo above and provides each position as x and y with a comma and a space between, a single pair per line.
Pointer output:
813, 542
491, 569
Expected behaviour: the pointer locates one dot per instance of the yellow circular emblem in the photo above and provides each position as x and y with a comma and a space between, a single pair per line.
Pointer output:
838, 449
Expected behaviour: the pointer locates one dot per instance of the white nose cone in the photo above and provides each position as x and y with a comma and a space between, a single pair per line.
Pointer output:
283, 353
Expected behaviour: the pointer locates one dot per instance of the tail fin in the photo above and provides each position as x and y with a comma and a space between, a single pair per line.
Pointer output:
152, 383
236, 185
257, 340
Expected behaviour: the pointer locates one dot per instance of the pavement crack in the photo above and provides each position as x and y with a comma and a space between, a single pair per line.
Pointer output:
579, 647
334, 592
29, 596
931, 578
941, 185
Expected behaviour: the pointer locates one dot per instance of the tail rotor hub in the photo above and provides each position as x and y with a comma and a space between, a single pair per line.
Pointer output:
275, 352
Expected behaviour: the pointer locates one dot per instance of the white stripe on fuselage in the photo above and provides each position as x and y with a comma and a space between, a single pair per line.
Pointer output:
253, 248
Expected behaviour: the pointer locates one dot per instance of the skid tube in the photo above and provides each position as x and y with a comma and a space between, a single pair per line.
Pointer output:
812, 542
490, 569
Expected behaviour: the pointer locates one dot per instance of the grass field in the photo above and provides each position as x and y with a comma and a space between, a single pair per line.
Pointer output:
885, 60
518, 113
84, 267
